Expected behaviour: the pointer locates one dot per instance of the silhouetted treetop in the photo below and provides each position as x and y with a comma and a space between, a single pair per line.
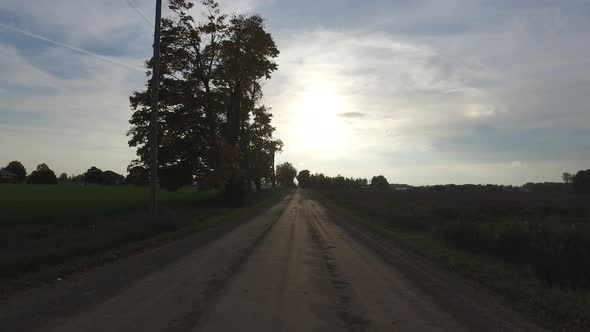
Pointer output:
16, 167
286, 173
42, 175
380, 182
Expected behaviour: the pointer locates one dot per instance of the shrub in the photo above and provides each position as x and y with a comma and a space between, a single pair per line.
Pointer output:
175, 177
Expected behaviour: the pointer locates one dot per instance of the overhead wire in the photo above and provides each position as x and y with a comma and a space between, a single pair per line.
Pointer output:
130, 3
80, 50
72, 48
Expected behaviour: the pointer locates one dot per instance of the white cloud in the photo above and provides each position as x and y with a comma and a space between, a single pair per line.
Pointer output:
477, 111
77, 122
408, 94
17, 71
413, 75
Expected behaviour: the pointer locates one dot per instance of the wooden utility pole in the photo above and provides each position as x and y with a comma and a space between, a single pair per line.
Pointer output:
154, 115
273, 177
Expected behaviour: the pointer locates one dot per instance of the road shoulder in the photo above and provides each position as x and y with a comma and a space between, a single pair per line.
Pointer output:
481, 309
34, 308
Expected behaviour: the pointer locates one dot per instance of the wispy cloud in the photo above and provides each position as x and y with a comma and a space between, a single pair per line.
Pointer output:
352, 115
72, 48
423, 91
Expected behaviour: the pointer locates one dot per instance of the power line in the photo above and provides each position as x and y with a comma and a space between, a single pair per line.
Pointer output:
72, 48
138, 12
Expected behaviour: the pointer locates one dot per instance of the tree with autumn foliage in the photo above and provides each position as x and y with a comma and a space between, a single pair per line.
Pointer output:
212, 121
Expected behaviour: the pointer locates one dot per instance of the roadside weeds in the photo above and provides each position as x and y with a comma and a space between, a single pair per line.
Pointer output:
172, 226
558, 309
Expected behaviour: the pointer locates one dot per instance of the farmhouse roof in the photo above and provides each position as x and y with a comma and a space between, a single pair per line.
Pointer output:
6, 174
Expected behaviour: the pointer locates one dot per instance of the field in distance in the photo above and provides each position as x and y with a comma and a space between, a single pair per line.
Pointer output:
54, 203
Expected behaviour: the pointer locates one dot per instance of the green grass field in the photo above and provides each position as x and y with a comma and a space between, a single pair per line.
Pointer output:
53, 203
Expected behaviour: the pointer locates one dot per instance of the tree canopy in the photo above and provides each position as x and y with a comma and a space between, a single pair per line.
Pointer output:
567, 178
319, 180
286, 173
581, 181
303, 178
380, 182
42, 175
93, 175
107, 178
212, 123
16, 167
63, 177
137, 175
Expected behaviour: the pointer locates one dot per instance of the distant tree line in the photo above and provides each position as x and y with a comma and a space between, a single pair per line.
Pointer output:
43, 174
213, 127
307, 180
579, 183
285, 175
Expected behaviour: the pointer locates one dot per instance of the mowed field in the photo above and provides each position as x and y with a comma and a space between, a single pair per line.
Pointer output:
57, 203
530, 247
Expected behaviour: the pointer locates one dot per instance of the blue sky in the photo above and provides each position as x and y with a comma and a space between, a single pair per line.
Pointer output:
420, 91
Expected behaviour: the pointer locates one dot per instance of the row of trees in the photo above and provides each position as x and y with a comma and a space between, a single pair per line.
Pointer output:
580, 183
212, 125
319, 180
137, 175
43, 174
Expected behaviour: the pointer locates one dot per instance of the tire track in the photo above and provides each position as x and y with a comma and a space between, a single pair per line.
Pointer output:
349, 310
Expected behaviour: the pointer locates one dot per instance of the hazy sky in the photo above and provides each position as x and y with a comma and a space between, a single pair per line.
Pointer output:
419, 91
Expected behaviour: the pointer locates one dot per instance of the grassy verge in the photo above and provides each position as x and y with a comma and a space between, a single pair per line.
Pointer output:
42, 252
558, 307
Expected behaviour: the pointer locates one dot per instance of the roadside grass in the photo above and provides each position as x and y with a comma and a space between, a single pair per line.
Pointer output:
420, 225
37, 252
25, 203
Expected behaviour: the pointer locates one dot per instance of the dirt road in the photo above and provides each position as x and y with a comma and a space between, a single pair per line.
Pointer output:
290, 269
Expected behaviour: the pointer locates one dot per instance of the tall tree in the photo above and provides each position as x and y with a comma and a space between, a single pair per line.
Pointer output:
246, 57
261, 146
211, 71
567, 178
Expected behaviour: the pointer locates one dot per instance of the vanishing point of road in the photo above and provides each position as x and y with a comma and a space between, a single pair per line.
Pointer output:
292, 268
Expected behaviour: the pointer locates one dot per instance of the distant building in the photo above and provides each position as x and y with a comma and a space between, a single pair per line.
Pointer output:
7, 177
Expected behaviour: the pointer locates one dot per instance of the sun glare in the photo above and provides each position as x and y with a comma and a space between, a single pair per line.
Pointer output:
319, 128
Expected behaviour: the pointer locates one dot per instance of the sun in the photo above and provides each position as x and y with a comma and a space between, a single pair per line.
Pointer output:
318, 128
